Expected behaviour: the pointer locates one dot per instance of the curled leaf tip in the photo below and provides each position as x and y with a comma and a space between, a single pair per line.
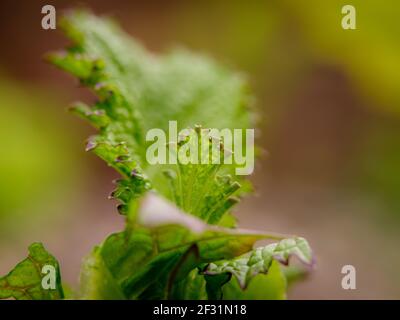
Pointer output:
90, 145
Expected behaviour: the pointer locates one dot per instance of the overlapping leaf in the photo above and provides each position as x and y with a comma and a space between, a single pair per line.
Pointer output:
160, 248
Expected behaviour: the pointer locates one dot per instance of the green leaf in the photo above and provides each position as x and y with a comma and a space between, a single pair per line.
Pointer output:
247, 266
179, 85
161, 246
192, 287
96, 281
215, 283
294, 274
204, 187
138, 91
270, 286
24, 282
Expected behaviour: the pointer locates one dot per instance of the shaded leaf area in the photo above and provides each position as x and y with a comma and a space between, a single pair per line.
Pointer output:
139, 91
192, 287
24, 282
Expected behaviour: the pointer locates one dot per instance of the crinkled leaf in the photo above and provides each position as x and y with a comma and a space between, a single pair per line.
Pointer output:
202, 187
247, 266
161, 247
139, 91
270, 286
179, 85
96, 280
24, 282
159, 252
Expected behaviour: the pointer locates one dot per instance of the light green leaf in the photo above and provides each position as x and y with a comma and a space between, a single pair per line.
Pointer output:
96, 281
203, 188
139, 91
24, 282
247, 266
270, 286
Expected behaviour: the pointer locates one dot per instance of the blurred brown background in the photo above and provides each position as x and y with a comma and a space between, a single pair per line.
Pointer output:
329, 101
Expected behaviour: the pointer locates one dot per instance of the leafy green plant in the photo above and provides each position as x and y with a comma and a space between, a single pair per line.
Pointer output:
180, 239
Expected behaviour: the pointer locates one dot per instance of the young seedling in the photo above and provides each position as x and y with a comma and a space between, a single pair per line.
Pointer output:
180, 239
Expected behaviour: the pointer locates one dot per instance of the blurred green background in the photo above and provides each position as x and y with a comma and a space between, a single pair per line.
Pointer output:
329, 101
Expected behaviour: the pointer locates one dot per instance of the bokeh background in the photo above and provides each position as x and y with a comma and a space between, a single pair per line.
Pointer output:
329, 101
